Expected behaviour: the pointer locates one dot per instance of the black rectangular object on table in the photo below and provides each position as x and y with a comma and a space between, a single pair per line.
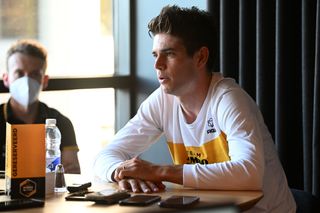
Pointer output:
107, 196
179, 201
20, 204
140, 200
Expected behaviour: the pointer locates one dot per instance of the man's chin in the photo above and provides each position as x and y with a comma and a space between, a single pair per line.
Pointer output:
166, 89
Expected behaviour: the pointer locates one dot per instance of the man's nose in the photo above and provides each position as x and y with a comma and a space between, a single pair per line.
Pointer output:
159, 63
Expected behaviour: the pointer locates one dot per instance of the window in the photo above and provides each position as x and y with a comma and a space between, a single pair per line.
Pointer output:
85, 81
77, 34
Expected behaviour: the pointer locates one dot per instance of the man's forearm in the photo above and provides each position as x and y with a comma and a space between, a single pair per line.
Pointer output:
171, 173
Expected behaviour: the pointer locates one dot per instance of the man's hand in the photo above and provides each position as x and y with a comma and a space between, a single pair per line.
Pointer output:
137, 185
137, 175
142, 176
137, 168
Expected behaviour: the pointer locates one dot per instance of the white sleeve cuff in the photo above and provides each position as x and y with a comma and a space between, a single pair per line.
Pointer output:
111, 170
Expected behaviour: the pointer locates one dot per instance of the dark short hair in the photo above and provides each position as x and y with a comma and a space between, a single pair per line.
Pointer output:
196, 29
28, 47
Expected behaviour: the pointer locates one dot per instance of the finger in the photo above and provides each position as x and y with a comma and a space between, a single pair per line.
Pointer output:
134, 185
153, 186
116, 175
160, 185
144, 186
119, 173
124, 185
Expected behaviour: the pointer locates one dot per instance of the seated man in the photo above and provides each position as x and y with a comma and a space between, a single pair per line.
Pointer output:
215, 132
25, 78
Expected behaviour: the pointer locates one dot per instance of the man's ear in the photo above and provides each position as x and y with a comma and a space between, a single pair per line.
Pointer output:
45, 82
5, 78
202, 56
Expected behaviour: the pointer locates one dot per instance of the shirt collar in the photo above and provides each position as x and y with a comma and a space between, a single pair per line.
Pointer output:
10, 118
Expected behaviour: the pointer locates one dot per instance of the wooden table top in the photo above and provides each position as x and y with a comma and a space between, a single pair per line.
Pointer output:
56, 202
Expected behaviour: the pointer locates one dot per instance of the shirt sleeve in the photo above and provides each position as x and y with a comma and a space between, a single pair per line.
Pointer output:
239, 118
134, 138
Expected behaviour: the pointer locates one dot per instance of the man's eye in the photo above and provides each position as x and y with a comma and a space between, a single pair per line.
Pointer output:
18, 74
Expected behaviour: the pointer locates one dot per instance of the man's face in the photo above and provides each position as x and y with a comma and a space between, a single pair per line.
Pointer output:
176, 70
20, 65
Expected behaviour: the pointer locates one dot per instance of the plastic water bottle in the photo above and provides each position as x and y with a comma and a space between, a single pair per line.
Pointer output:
53, 141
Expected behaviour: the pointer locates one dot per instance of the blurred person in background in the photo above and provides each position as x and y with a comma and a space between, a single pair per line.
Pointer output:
25, 77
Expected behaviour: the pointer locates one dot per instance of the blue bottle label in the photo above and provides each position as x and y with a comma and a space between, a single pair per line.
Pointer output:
53, 164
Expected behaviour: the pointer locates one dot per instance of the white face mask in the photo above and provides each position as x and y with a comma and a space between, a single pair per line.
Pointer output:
25, 90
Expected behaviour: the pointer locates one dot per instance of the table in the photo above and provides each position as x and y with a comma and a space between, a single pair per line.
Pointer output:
56, 202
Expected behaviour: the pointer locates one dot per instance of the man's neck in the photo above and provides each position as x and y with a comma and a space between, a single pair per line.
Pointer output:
191, 104
27, 115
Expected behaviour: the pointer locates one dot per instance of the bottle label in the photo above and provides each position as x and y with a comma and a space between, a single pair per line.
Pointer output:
51, 165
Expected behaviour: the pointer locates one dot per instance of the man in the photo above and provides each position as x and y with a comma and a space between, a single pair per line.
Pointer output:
214, 130
25, 78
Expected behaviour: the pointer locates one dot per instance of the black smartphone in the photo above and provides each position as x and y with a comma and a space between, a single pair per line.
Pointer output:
78, 187
179, 201
140, 200
108, 196
77, 196
20, 204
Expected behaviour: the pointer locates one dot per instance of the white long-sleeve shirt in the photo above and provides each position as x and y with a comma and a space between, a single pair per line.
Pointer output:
227, 147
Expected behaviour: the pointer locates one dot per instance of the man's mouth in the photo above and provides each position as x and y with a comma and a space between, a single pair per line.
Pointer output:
162, 79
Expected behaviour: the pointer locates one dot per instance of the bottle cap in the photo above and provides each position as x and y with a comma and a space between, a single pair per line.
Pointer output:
51, 121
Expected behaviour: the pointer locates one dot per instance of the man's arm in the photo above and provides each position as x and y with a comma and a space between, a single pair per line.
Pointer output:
69, 159
69, 148
143, 130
